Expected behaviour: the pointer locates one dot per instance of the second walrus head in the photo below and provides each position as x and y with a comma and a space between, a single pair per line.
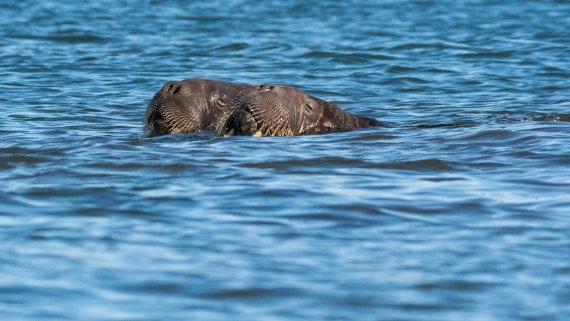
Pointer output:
276, 110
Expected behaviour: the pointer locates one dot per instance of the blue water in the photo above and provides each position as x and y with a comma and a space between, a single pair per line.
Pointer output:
459, 210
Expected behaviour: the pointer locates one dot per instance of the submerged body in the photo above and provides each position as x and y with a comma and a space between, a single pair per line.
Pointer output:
275, 110
188, 105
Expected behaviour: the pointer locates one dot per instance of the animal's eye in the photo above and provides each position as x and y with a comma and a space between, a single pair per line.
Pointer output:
309, 106
222, 101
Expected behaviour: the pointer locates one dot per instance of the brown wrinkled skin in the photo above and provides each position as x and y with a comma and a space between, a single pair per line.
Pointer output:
274, 110
188, 105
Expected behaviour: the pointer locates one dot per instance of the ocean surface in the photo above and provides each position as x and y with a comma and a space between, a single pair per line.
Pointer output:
458, 210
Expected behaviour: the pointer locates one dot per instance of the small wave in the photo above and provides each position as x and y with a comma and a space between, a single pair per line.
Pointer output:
249, 293
70, 39
535, 118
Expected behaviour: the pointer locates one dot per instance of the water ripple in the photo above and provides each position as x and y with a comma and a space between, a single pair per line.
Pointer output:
457, 210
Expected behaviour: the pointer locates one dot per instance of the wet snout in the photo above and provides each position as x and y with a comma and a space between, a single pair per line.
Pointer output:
160, 121
265, 87
171, 88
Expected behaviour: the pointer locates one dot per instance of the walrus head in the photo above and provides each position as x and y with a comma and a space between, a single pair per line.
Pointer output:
187, 106
275, 110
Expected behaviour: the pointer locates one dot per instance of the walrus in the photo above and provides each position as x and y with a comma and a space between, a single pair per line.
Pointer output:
188, 105
276, 110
